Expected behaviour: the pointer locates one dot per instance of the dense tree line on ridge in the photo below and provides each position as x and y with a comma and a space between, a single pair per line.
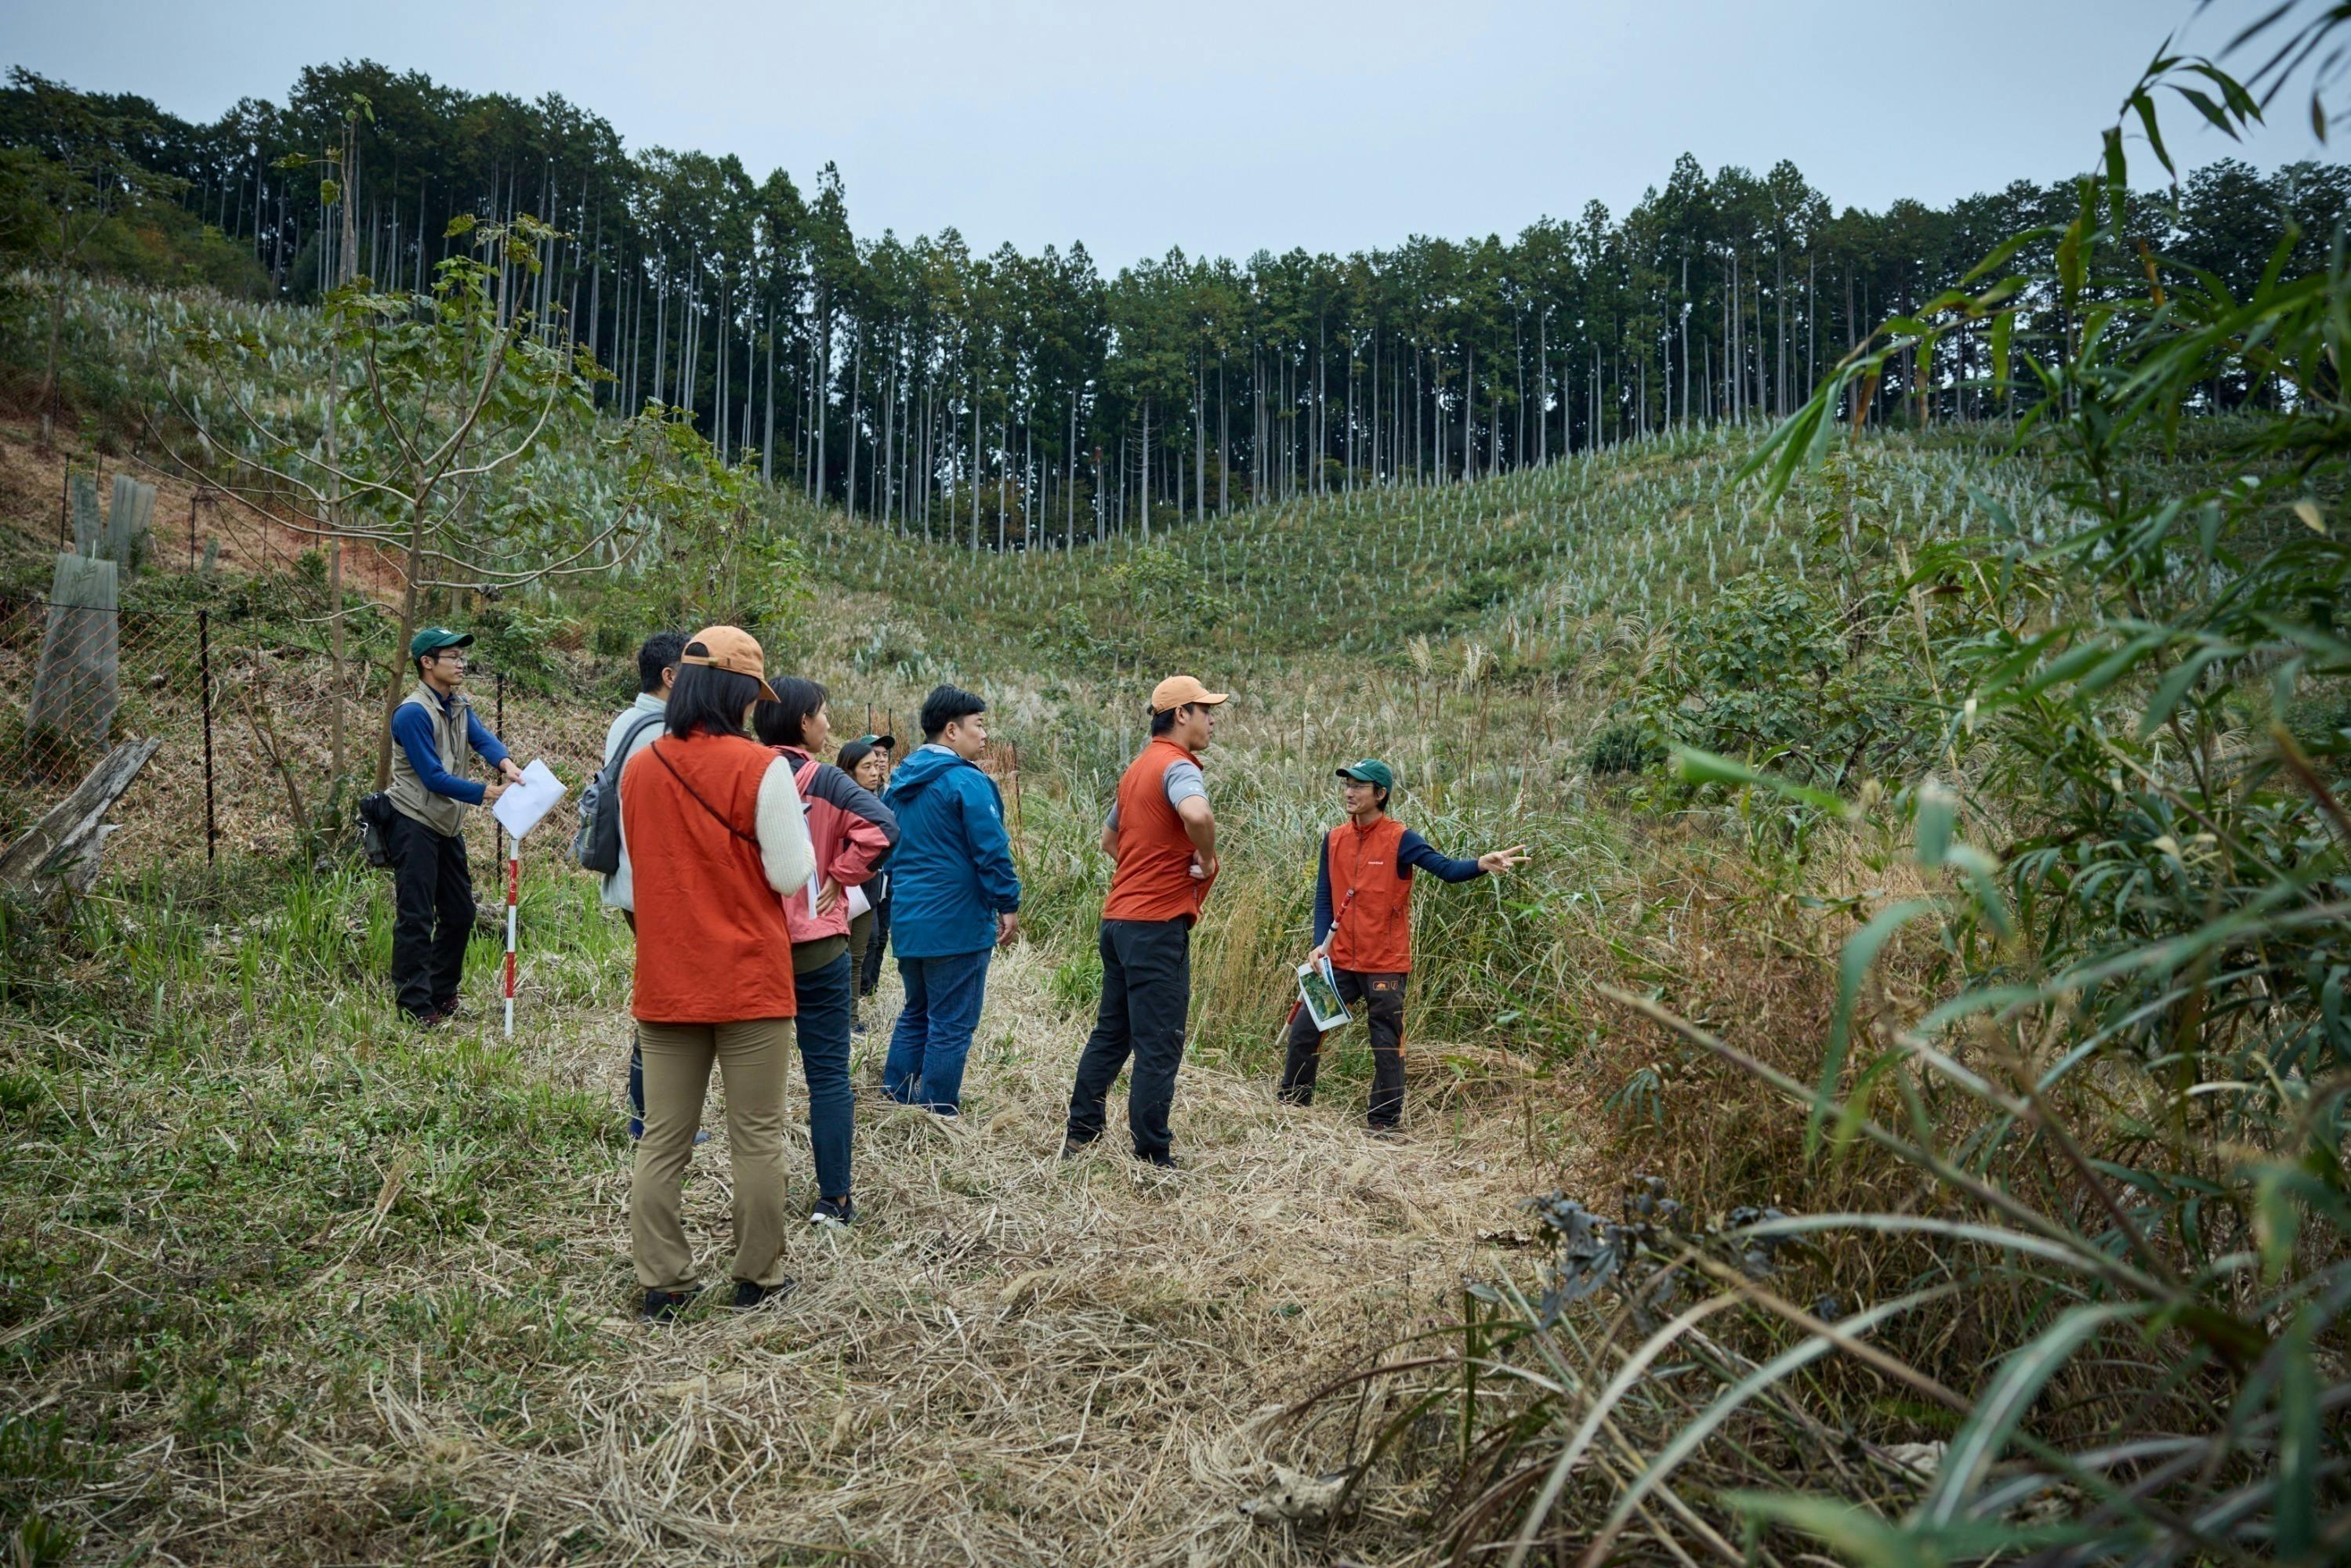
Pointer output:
1020, 398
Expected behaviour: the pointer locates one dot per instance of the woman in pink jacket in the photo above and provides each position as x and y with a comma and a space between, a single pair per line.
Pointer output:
851, 830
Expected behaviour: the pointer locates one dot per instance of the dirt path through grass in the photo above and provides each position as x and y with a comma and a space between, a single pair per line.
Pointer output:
1011, 1359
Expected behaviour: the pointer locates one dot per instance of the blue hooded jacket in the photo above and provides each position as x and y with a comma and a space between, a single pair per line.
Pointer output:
952, 873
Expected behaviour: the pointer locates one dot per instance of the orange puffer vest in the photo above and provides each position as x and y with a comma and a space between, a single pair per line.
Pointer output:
1370, 901
1153, 880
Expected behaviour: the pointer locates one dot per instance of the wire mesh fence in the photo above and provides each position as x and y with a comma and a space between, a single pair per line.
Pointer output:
241, 703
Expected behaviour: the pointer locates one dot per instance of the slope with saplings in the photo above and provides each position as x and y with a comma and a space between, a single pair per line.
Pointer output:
298, 1285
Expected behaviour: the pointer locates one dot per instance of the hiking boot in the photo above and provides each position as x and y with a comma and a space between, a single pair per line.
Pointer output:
1163, 1159
430, 1018
661, 1306
454, 1008
834, 1211
1385, 1132
749, 1295
1072, 1148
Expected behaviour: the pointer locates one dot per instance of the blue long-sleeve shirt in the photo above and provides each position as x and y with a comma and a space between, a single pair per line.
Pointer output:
413, 727
1413, 852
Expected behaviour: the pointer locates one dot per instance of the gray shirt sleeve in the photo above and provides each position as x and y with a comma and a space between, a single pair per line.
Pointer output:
1181, 781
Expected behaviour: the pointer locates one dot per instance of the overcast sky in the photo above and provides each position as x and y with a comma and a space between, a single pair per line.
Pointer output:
1224, 126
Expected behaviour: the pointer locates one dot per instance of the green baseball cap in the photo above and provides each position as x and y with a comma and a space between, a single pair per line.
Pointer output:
1370, 773
433, 639
883, 742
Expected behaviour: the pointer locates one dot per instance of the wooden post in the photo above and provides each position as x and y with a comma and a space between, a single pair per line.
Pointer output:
65, 844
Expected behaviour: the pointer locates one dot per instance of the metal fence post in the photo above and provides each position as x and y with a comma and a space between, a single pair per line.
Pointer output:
204, 680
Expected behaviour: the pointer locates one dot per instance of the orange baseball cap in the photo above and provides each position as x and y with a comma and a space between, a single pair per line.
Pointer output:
729, 648
1176, 690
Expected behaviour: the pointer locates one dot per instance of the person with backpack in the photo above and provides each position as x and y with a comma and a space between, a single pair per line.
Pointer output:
850, 830
1362, 924
599, 847
718, 841
425, 838
955, 896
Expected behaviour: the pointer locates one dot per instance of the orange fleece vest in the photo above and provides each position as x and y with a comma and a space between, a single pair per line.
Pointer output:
712, 947
1371, 899
1153, 880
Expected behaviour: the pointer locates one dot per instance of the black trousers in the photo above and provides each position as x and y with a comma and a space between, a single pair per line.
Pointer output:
1146, 991
433, 901
1382, 998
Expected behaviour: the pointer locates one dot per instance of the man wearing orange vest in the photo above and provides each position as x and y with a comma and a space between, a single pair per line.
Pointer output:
1164, 837
1362, 923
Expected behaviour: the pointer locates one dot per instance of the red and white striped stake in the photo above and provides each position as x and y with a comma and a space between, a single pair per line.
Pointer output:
514, 884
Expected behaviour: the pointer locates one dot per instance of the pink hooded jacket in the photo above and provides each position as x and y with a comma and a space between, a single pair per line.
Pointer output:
851, 830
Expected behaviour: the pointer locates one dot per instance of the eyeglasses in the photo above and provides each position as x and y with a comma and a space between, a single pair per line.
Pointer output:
458, 659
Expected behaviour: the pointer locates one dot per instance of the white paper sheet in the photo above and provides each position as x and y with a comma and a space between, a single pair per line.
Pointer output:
858, 903
1320, 992
527, 799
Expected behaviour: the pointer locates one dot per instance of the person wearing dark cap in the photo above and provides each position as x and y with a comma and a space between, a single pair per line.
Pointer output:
433, 889
1362, 924
1164, 837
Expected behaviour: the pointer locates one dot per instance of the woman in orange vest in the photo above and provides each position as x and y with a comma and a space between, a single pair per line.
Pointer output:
1362, 923
714, 831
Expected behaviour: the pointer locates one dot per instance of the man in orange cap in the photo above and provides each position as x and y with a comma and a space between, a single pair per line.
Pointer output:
1164, 837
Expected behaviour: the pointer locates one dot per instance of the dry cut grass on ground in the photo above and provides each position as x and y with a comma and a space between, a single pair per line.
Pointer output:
1011, 1359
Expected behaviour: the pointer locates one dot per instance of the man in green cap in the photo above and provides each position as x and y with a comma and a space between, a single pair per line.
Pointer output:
433, 889
1362, 924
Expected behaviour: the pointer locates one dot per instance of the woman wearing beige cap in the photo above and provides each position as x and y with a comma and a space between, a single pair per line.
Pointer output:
714, 830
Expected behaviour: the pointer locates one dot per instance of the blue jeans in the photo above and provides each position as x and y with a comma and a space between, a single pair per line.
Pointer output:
925, 1066
825, 996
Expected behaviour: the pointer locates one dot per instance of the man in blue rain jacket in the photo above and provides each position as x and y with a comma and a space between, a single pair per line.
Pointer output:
953, 899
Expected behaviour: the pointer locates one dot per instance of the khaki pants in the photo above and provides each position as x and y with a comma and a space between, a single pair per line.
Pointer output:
751, 1055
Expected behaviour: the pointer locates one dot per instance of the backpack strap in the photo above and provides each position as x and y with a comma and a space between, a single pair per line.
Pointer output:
751, 839
628, 741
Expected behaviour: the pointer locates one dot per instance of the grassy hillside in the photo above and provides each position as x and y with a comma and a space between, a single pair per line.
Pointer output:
283, 1283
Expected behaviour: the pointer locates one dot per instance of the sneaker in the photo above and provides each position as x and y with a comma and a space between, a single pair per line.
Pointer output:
455, 1006
834, 1211
1072, 1148
1385, 1132
430, 1018
749, 1295
1163, 1159
661, 1306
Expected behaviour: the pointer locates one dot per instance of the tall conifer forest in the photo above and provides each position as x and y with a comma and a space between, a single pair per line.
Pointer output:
1030, 399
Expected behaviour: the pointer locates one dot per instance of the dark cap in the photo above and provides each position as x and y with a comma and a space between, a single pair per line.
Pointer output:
885, 742
1370, 773
433, 639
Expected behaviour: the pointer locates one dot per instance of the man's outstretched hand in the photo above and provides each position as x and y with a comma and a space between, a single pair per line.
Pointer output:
1500, 862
